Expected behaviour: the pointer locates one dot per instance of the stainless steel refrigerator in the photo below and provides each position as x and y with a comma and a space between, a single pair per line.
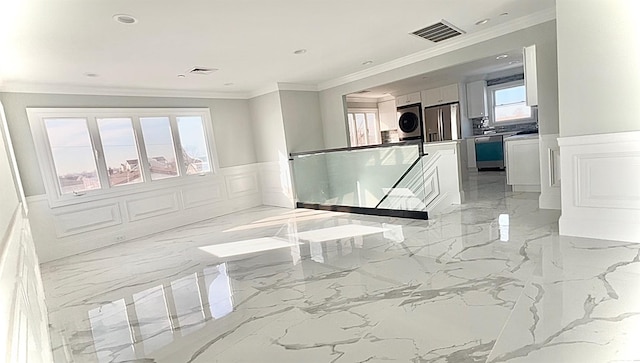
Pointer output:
442, 123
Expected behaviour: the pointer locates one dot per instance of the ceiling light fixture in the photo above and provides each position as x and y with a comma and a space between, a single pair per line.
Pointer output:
504, 14
125, 19
181, 76
92, 75
228, 84
502, 56
483, 21
300, 51
366, 63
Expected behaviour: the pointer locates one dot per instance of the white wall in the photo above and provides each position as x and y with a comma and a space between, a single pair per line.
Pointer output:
23, 333
230, 118
598, 66
598, 86
268, 129
331, 100
267, 122
302, 121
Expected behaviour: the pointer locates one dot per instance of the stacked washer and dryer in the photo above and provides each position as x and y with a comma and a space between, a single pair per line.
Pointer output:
410, 122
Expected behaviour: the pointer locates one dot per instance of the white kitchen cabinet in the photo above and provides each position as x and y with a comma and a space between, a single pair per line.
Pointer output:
410, 99
530, 75
477, 99
522, 160
440, 96
388, 115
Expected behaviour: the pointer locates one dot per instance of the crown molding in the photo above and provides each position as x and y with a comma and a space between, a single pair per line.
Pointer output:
284, 86
455, 44
25, 87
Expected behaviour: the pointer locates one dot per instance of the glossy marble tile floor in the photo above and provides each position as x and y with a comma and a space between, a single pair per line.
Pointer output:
491, 281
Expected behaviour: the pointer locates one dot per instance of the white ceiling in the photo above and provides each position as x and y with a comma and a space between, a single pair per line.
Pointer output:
251, 42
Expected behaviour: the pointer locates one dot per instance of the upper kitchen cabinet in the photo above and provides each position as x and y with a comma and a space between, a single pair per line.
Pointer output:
441, 95
476, 99
530, 75
410, 99
388, 115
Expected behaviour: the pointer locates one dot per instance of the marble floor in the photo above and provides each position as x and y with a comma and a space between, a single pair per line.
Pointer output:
490, 281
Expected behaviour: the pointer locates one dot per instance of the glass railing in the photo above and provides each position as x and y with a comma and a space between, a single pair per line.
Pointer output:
371, 179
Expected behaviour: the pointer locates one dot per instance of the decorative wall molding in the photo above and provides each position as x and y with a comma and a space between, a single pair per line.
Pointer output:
24, 332
202, 195
84, 219
275, 184
72, 229
70, 89
601, 186
443, 176
152, 206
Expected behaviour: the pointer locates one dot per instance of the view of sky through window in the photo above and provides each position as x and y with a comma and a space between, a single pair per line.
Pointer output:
158, 141
72, 153
194, 146
120, 150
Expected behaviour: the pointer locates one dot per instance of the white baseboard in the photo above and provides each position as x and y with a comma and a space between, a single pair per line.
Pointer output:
601, 186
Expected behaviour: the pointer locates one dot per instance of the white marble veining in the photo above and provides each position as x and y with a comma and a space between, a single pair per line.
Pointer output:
491, 281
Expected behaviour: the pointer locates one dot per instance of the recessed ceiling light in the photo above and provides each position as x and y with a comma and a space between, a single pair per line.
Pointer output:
181, 76
300, 51
228, 84
125, 19
514, 62
504, 14
483, 21
502, 56
366, 63
91, 75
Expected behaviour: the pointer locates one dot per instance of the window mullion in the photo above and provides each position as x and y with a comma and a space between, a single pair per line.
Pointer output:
182, 170
142, 149
98, 152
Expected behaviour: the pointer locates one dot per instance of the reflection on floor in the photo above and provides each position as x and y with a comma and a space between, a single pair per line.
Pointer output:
489, 282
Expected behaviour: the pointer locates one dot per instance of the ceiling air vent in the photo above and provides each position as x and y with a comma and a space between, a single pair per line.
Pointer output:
362, 92
202, 70
438, 32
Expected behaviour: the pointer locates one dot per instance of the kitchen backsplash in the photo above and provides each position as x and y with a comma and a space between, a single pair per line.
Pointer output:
481, 125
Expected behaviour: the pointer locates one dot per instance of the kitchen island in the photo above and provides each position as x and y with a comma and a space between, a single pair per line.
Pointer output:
522, 161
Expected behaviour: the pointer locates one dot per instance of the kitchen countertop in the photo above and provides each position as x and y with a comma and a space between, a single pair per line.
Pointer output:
509, 133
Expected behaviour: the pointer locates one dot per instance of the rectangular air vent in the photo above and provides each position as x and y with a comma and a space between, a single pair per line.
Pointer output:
438, 32
202, 70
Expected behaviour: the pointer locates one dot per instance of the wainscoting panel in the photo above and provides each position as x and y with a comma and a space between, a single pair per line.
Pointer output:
549, 172
199, 196
241, 184
24, 335
601, 186
68, 230
443, 176
275, 184
74, 220
152, 206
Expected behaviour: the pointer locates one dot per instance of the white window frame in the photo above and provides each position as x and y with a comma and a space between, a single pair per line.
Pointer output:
365, 111
37, 116
492, 104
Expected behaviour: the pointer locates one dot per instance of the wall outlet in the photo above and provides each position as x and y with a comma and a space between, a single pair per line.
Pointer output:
120, 238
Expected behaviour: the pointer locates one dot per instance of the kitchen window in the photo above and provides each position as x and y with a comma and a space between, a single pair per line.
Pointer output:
364, 127
508, 104
88, 154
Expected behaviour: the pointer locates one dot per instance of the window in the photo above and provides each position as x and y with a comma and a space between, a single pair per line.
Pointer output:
364, 128
97, 152
508, 103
